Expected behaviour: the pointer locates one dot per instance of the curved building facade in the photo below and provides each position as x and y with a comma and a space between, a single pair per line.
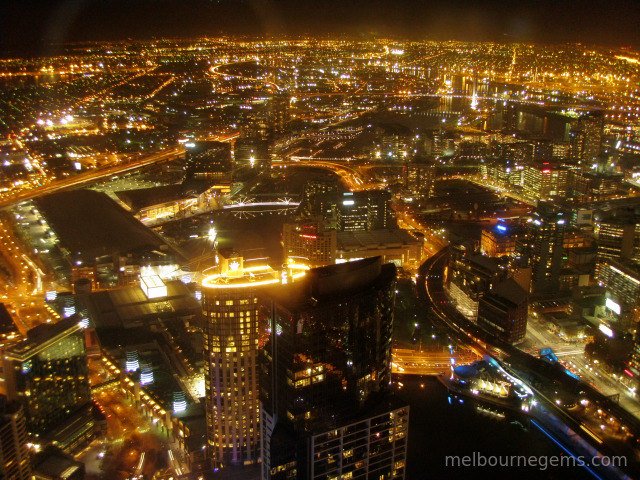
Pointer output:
234, 335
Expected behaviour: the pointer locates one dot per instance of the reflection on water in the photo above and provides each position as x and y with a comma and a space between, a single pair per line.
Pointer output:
440, 427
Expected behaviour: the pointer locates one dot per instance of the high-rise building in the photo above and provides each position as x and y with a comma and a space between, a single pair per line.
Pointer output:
616, 240
326, 368
350, 211
544, 181
586, 138
468, 277
542, 247
319, 199
418, 179
503, 311
364, 210
233, 338
622, 291
47, 374
14, 457
497, 241
311, 241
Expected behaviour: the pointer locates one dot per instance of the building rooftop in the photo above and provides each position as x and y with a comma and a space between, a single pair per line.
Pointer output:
89, 224
333, 282
141, 198
53, 463
487, 263
42, 335
129, 307
511, 291
375, 238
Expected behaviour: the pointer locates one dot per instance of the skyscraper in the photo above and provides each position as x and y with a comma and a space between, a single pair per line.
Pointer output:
543, 247
310, 239
233, 337
617, 239
47, 373
14, 458
503, 311
364, 210
586, 138
325, 372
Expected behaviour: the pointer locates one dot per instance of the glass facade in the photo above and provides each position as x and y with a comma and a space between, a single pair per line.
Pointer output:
48, 374
329, 355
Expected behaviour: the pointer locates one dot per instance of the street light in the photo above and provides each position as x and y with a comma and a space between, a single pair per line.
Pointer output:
212, 234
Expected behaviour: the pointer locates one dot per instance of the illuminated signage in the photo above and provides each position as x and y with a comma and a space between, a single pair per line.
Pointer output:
146, 376
132, 364
179, 402
613, 306
606, 330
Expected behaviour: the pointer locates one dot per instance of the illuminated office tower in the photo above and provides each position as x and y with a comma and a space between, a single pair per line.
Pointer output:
586, 138
311, 240
364, 210
327, 411
233, 337
544, 181
497, 241
47, 373
418, 179
622, 285
544, 247
14, 457
616, 240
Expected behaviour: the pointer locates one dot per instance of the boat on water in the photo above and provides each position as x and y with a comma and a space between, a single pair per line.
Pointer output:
487, 382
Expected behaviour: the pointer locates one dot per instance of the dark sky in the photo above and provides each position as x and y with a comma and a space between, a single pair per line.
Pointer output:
34, 25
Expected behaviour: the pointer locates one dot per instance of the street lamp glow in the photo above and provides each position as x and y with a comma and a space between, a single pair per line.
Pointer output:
212, 234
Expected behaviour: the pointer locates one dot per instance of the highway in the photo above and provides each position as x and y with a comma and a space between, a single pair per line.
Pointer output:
347, 174
427, 362
94, 175
214, 71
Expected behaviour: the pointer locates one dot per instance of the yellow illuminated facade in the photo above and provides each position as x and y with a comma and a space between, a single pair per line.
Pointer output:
233, 337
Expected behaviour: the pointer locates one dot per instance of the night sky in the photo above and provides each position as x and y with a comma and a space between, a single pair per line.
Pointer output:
31, 25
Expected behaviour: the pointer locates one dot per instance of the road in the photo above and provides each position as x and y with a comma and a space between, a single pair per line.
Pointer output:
416, 362
214, 71
572, 356
94, 175
569, 427
347, 174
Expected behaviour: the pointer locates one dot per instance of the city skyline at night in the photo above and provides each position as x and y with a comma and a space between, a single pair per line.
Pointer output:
296, 240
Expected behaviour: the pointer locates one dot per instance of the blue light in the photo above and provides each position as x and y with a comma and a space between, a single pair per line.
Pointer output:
501, 228
565, 449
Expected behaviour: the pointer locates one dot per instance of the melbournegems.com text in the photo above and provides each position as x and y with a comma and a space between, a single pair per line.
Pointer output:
541, 462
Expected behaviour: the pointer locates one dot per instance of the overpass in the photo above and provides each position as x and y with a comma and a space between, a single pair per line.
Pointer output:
349, 175
428, 362
92, 176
